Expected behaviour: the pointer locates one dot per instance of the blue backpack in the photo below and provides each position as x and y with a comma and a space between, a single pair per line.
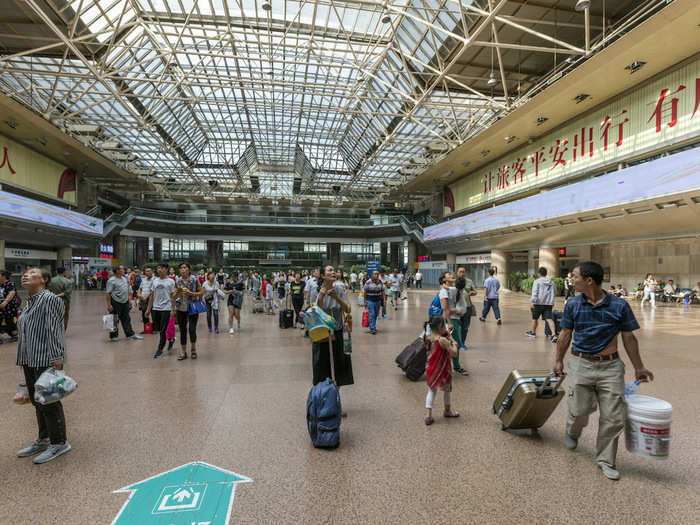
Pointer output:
435, 307
323, 414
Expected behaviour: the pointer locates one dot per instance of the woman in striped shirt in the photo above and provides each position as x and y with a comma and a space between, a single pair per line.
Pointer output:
42, 344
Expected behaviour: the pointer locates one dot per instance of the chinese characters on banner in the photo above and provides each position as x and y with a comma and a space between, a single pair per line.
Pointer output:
658, 114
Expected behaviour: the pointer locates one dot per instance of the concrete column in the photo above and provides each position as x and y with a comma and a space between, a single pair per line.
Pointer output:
532, 256
120, 254
333, 253
584, 253
87, 195
64, 257
412, 255
394, 255
215, 253
157, 249
384, 258
141, 248
2, 254
499, 260
549, 258
451, 258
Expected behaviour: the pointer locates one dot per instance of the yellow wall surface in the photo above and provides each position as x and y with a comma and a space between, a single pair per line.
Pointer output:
32, 170
640, 121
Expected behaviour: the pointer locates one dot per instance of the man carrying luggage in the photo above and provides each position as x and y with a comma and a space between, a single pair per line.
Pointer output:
597, 374
542, 301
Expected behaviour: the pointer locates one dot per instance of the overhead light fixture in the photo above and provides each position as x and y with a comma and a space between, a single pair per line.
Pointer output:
635, 66
485, 152
466, 163
386, 18
541, 120
581, 97
87, 129
510, 138
582, 5
11, 123
492, 80
108, 144
266, 5
41, 140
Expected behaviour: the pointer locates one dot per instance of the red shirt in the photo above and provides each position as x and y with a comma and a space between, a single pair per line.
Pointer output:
264, 289
105, 275
200, 279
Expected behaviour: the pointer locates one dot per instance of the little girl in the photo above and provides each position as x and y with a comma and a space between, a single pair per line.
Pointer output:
439, 371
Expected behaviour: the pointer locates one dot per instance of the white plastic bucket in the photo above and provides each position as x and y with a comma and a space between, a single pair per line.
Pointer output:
648, 427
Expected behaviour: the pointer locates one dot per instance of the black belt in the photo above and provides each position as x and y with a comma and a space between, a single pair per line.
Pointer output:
596, 357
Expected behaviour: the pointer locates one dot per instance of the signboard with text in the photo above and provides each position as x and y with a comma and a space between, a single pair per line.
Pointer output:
662, 112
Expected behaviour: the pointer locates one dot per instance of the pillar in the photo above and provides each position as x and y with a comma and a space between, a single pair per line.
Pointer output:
499, 261
549, 259
215, 253
333, 253
64, 257
86, 195
412, 256
394, 255
532, 256
157, 249
141, 248
451, 258
2, 254
384, 259
584, 253
120, 251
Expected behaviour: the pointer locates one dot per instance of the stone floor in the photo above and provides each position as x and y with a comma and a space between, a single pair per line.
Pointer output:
241, 406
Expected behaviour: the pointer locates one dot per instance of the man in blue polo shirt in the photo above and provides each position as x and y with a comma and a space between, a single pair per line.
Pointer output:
597, 374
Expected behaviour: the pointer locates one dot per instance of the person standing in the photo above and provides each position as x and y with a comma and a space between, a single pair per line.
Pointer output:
62, 286
469, 291
353, 281
221, 278
541, 301
438, 373
396, 286
649, 290
41, 345
211, 298
491, 290
419, 279
135, 281
171, 274
597, 374
104, 274
297, 292
9, 304
161, 303
234, 288
332, 300
187, 291
374, 291
142, 294
118, 304
569, 285
387, 291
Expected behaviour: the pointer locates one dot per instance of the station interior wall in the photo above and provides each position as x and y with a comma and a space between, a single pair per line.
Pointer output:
629, 262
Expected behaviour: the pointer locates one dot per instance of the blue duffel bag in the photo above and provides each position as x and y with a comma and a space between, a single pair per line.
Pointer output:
323, 414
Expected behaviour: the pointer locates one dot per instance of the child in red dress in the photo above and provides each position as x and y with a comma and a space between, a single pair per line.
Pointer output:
439, 371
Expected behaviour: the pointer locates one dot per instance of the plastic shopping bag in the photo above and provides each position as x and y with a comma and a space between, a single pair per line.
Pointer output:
53, 385
21, 397
108, 322
170, 330
365, 319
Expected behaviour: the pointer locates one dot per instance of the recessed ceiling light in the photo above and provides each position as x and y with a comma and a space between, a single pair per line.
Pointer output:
510, 138
541, 120
41, 140
466, 163
485, 152
386, 18
581, 97
11, 123
635, 66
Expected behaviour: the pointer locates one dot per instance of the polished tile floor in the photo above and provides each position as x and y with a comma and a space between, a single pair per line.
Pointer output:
241, 406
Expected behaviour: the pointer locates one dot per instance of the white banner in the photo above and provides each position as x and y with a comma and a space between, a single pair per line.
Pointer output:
480, 258
24, 253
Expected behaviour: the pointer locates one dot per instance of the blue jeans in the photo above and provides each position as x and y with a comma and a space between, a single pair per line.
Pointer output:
215, 313
465, 321
488, 304
373, 308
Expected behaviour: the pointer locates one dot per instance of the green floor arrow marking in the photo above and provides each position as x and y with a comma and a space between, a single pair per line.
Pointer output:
194, 494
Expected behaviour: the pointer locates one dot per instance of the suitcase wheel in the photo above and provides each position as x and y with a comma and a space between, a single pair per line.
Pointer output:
503, 427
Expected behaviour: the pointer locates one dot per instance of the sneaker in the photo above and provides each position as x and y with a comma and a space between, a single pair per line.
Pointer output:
570, 442
463, 347
135, 337
193, 354
499, 323
530, 333
554, 338
112, 339
216, 330
142, 333
210, 329
170, 344
158, 353
51, 452
609, 472
383, 316
482, 319
34, 448
461, 371
230, 330
181, 356
373, 332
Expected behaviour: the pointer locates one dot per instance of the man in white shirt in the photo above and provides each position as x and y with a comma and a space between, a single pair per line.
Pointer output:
419, 279
396, 284
142, 295
353, 281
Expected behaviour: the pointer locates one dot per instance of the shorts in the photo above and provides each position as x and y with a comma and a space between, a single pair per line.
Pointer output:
544, 310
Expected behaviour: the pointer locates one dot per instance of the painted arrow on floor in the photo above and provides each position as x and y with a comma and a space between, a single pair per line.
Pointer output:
194, 494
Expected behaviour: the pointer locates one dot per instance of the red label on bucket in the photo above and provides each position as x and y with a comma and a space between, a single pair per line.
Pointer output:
656, 431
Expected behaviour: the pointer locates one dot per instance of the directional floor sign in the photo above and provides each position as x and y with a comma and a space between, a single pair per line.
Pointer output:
194, 494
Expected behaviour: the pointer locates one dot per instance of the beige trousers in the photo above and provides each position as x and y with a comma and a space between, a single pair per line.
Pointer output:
596, 384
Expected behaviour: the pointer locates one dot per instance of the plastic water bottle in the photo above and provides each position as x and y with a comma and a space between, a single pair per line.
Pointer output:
631, 388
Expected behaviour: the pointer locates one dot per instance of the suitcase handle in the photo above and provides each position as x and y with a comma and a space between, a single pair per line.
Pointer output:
548, 389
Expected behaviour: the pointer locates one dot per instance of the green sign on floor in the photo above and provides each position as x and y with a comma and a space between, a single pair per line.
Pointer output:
194, 494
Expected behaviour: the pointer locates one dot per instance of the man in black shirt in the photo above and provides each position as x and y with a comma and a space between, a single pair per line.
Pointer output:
234, 288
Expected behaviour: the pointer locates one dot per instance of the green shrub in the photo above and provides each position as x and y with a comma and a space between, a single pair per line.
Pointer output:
526, 284
514, 280
559, 284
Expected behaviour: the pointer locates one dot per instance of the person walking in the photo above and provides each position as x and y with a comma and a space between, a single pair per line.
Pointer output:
353, 281
9, 304
596, 373
234, 288
135, 282
332, 300
569, 286
297, 292
458, 297
419, 279
161, 302
41, 345
221, 278
491, 290
438, 373
142, 295
212, 291
649, 290
117, 296
187, 291
396, 286
541, 302
469, 291
62, 286
104, 275
375, 296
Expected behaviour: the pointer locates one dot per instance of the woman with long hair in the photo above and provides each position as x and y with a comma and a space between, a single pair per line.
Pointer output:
188, 291
234, 288
649, 290
212, 291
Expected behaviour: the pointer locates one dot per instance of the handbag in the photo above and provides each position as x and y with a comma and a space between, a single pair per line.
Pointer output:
170, 330
147, 328
108, 322
365, 319
197, 307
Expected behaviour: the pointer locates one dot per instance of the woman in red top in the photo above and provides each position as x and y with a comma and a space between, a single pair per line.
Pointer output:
439, 371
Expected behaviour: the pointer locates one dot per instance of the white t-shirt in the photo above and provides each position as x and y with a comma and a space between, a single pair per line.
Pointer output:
269, 292
395, 282
419, 276
353, 277
146, 286
162, 293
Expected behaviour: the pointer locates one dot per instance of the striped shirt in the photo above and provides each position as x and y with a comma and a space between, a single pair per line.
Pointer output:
41, 337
